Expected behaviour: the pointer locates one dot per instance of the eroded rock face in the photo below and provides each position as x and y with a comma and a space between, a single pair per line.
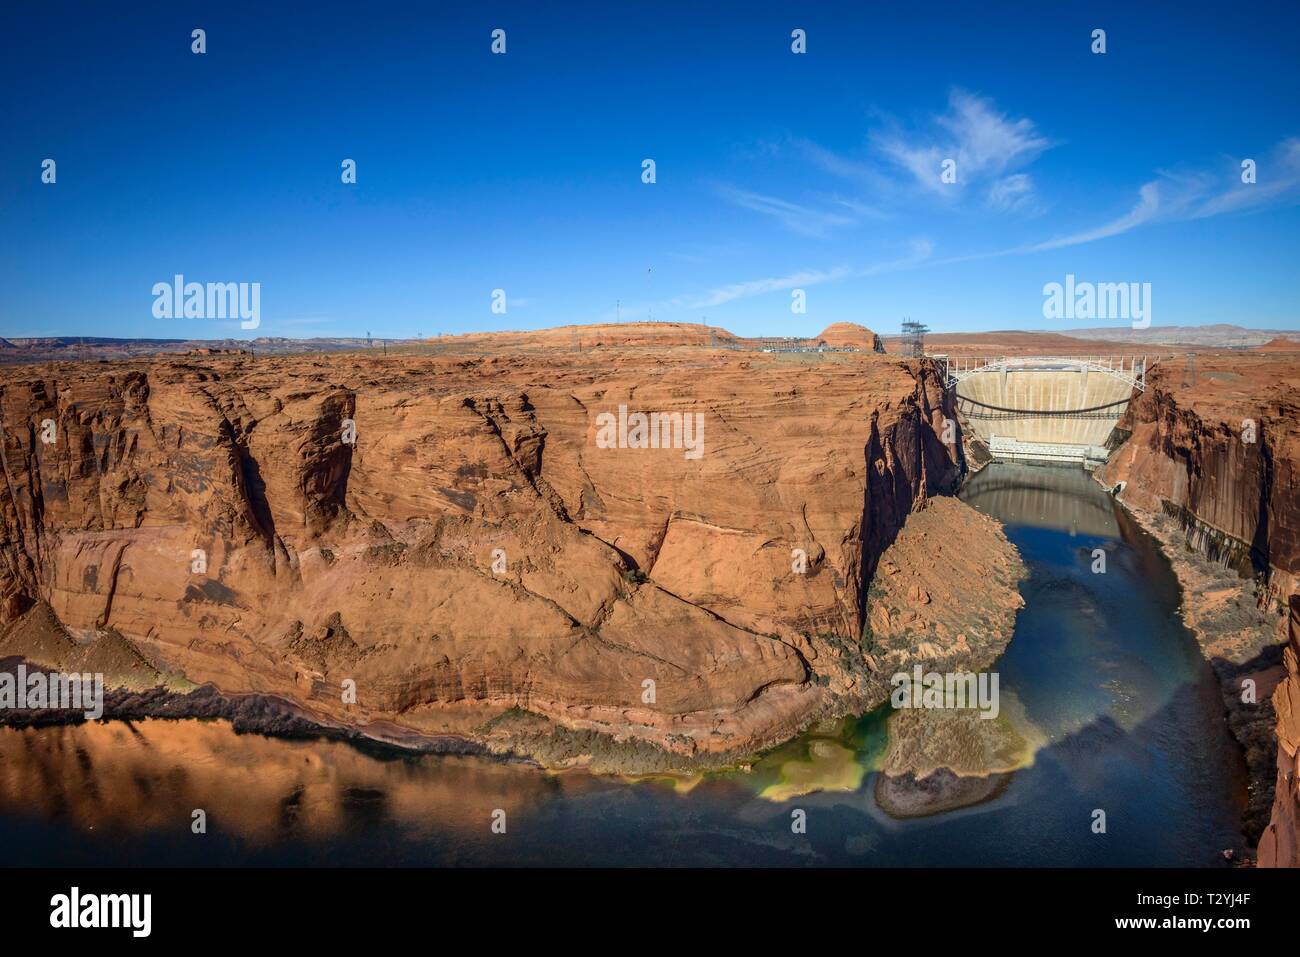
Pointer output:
1280, 844
1215, 446
474, 550
1217, 443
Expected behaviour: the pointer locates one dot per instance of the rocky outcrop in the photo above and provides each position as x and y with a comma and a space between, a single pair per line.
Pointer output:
849, 335
1280, 344
946, 592
1280, 844
445, 542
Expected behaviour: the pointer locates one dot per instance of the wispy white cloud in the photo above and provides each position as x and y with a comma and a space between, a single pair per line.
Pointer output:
857, 207
1178, 197
1011, 192
864, 173
919, 251
1277, 180
1185, 196
805, 220
1146, 209
984, 142
757, 287
993, 150
989, 147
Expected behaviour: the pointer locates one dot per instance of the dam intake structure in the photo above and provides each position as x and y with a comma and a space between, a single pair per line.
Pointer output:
1044, 408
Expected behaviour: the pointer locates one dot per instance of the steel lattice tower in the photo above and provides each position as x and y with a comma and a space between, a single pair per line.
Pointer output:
914, 338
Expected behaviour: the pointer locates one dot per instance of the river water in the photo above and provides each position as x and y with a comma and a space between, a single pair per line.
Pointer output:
1103, 680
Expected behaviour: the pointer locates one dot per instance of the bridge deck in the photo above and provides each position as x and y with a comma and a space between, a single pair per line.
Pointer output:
1130, 369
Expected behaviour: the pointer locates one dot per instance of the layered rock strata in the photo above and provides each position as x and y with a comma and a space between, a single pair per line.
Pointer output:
1280, 844
466, 545
1212, 469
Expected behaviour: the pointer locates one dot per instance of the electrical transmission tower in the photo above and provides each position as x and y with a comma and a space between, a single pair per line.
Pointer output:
913, 340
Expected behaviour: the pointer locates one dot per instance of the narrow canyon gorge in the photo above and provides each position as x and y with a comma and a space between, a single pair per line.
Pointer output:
437, 550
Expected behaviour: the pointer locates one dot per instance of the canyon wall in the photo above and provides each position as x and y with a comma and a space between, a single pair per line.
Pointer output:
1217, 445
1280, 843
448, 536
1213, 463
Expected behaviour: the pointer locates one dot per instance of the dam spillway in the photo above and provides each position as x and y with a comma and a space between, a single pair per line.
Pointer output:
1044, 408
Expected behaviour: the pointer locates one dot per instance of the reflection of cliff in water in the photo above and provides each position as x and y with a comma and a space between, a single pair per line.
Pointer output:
1062, 499
152, 774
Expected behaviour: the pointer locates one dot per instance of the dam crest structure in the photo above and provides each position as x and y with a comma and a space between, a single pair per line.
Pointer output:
1044, 408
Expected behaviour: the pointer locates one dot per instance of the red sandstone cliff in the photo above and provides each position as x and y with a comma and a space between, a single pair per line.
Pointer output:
1280, 844
1220, 444
1215, 446
474, 550
658, 336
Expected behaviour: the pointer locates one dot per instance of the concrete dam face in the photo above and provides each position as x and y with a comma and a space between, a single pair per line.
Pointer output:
1037, 408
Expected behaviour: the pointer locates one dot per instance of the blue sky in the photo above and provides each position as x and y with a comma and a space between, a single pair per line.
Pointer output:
522, 172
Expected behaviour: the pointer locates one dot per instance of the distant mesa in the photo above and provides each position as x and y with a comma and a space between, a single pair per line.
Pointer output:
601, 334
1218, 335
15, 350
214, 351
849, 335
1013, 342
1280, 345
839, 336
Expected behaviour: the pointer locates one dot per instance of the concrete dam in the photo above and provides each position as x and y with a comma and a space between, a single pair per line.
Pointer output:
1044, 408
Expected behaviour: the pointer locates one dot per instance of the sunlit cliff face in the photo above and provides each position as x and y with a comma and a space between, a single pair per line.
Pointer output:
454, 537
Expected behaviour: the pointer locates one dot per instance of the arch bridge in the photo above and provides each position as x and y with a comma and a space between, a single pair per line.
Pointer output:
1044, 408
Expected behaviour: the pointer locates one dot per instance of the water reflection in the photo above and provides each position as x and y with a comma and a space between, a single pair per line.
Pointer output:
1062, 499
151, 774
